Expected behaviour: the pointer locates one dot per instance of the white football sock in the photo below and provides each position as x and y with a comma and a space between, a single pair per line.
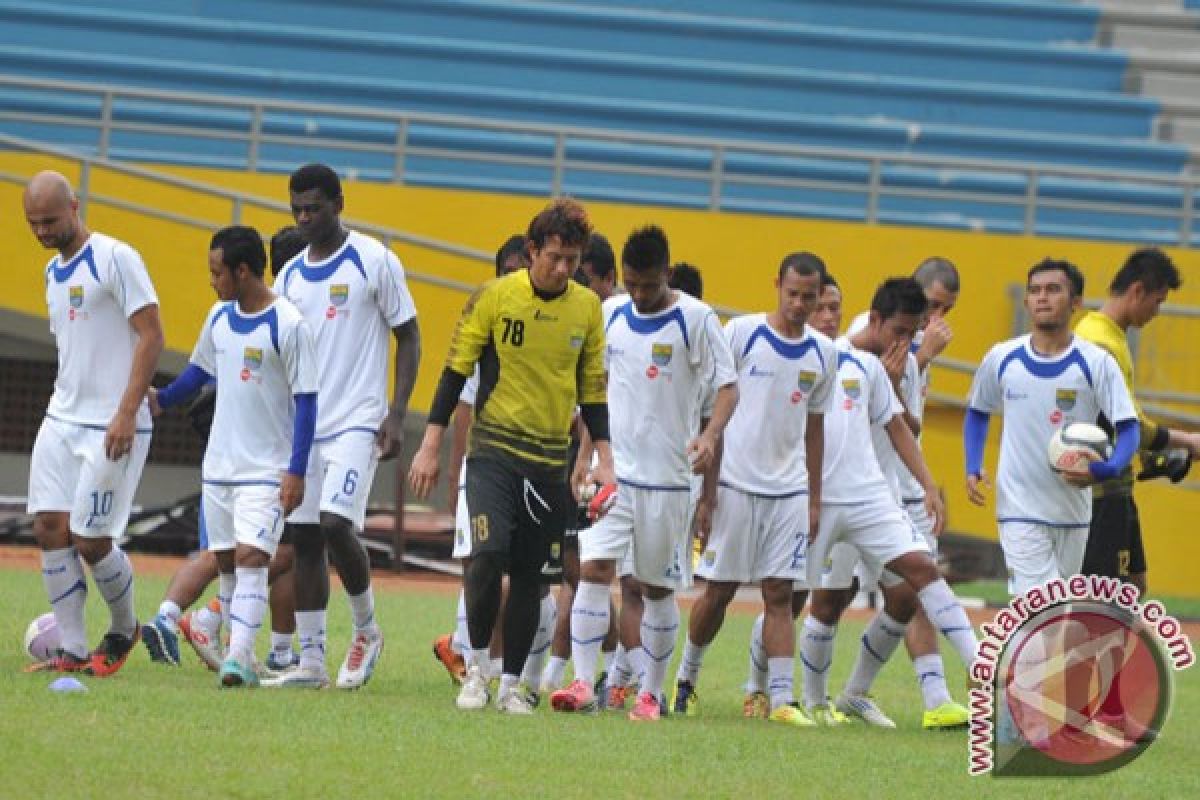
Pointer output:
547, 614
621, 672
246, 612
114, 578
362, 607
756, 680
208, 619
660, 624
589, 626
692, 661
816, 654
931, 676
879, 641
225, 583
781, 671
66, 587
508, 682
461, 641
552, 675
310, 628
170, 611
607, 657
281, 646
948, 616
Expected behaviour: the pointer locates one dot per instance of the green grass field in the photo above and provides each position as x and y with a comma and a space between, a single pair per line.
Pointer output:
153, 732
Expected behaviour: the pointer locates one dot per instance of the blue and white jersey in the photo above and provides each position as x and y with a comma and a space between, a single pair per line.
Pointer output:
1038, 395
863, 398
780, 382
260, 361
661, 367
351, 302
90, 300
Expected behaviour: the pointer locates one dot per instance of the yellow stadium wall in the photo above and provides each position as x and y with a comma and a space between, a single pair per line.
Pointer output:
737, 253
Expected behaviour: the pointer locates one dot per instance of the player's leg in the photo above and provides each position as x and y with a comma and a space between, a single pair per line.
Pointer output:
780, 563
103, 501
830, 572
161, 634
449, 647
560, 647
310, 577
705, 620
599, 548
1137, 552
281, 599
879, 641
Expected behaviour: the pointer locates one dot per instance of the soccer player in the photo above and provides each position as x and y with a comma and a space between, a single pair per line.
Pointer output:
766, 500
860, 510
202, 629
92, 444
939, 280
666, 351
687, 279
352, 292
1040, 382
538, 339
258, 348
1114, 542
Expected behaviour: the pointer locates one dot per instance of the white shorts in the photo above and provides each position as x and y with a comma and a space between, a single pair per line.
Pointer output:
462, 526
249, 514
654, 525
1035, 553
69, 471
921, 521
755, 537
877, 531
340, 472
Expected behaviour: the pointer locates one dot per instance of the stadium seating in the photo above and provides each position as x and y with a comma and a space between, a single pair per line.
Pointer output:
1003, 80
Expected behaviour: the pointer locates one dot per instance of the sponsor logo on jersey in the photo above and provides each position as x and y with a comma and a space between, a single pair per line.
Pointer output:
651, 372
577, 342
76, 295
1065, 399
852, 388
339, 293
806, 380
660, 354
755, 372
1011, 395
710, 557
542, 316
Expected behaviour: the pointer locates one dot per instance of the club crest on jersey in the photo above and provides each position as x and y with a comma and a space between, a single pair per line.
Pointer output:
1065, 399
852, 388
252, 358
76, 296
660, 354
339, 293
806, 380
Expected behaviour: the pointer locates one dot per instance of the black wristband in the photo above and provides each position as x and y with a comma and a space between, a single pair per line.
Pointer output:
445, 399
595, 417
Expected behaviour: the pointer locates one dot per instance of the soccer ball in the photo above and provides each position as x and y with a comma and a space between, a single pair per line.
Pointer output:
1069, 443
42, 639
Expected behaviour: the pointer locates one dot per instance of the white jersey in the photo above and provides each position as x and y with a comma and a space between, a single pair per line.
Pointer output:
260, 361
862, 397
660, 367
780, 382
904, 486
1037, 396
351, 301
914, 389
90, 299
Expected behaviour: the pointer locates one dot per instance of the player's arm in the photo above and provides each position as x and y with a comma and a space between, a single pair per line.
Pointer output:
706, 504
910, 454
200, 370
458, 449
984, 399
716, 361
300, 360
118, 440
472, 333
937, 336
814, 454
1116, 401
408, 358
895, 363
583, 459
591, 381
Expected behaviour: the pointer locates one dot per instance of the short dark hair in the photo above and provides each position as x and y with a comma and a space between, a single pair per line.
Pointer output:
802, 263
937, 270
1149, 266
646, 249
1074, 276
286, 244
514, 244
599, 254
240, 244
564, 218
316, 176
687, 279
828, 280
899, 296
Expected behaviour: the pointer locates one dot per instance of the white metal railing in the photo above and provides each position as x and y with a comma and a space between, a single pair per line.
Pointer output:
717, 176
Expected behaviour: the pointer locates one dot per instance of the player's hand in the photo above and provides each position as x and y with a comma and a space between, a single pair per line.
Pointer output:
975, 486
579, 479
935, 507
390, 437
291, 492
603, 473
1192, 443
152, 402
895, 359
700, 452
937, 336
118, 439
1078, 473
702, 521
423, 473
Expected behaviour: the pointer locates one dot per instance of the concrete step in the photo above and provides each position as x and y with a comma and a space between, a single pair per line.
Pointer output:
1153, 40
1182, 86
